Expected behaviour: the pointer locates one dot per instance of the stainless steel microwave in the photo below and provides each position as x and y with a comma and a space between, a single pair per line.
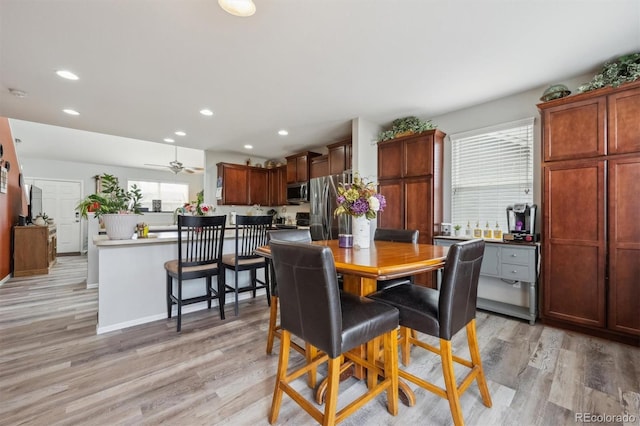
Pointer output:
298, 193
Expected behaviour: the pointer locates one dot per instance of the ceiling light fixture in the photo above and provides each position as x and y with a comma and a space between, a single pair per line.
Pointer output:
248, 147
206, 112
241, 8
181, 133
71, 111
67, 74
18, 93
169, 140
283, 132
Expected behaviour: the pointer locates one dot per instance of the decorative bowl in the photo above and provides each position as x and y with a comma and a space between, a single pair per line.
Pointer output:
555, 91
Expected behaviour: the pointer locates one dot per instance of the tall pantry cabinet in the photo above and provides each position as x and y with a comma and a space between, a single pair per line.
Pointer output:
410, 178
591, 212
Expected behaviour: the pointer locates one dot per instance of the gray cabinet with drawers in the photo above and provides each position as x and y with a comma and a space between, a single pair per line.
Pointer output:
505, 267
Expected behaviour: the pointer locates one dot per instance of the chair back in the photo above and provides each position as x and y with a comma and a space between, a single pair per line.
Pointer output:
309, 294
294, 235
251, 233
459, 289
200, 240
397, 235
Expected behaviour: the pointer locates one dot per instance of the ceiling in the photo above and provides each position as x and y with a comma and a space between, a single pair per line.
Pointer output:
147, 67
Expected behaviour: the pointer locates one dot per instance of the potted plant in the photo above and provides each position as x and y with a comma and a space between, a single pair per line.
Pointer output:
118, 209
456, 230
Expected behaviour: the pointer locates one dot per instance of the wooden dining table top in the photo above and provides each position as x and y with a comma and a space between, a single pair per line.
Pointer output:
383, 259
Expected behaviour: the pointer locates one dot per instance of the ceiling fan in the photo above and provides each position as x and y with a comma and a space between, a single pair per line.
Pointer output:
176, 166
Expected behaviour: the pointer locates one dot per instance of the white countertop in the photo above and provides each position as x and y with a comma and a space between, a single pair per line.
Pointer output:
153, 238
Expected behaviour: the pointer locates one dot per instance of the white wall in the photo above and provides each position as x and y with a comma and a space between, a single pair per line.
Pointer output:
365, 148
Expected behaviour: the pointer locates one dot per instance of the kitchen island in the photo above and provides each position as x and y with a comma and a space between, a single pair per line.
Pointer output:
132, 279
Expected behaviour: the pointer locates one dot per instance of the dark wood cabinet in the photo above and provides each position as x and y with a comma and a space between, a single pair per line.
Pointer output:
298, 166
243, 185
591, 231
339, 156
258, 186
278, 186
34, 250
410, 178
319, 166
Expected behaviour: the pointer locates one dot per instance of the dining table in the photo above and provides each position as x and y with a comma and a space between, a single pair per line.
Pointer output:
362, 268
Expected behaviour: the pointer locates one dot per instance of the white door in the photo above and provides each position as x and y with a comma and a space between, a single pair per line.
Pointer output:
59, 199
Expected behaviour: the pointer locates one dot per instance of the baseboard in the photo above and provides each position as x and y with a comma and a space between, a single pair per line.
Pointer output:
627, 339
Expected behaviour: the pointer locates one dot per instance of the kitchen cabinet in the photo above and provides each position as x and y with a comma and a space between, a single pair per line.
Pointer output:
298, 166
243, 185
34, 250
590, 232
278, 186
410, 178
319, 166
508, 278
339, 156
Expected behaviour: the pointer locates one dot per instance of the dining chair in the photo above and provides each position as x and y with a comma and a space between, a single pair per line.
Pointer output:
401, 236
200, 241
295, 235
251, 233
316, 311
442, 314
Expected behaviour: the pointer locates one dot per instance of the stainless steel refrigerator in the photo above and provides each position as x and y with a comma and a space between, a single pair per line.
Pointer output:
322, 199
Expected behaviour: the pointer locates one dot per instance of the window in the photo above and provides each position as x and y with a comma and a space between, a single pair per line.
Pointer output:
491, 168
172, 195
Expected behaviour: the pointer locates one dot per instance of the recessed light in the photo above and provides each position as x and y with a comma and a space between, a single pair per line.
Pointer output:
283, 132
206, 112
248, 147
71, 111
181, 133
169, 140
67, 74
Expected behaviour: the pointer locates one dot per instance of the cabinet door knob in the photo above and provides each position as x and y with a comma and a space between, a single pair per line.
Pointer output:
514, 255
514, 272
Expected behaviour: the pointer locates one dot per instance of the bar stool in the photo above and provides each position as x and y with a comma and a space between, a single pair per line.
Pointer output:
199, 251
294, 235
251, 233
442, 314
313, 309
401, 236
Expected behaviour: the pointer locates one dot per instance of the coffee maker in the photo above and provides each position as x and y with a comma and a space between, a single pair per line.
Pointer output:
521, 221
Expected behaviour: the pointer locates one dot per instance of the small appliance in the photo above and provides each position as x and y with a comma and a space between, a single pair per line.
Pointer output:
521, 221
445, 229
297, 193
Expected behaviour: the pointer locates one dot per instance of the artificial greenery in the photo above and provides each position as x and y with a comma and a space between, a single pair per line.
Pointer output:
112, 199
623, 70
404, 126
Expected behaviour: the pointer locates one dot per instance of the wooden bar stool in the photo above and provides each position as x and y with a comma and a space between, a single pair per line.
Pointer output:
313, 309
442, 314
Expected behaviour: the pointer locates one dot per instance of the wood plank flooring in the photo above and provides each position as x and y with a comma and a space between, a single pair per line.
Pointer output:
54, 369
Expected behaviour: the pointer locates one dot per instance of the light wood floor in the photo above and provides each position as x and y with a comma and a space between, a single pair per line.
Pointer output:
54, 369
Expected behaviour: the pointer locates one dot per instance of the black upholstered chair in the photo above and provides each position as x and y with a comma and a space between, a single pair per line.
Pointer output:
199, 253
401, 236
442, 314
313, 309
294, 235
251, 233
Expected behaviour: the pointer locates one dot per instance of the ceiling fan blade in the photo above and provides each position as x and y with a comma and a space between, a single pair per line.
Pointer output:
157, 165
190, 171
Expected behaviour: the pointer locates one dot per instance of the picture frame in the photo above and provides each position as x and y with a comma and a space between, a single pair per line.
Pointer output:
4, 178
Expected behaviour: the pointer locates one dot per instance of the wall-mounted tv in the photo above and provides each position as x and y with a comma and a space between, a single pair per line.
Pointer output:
35, 202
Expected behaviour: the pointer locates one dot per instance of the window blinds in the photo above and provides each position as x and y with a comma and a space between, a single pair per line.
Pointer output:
492, 168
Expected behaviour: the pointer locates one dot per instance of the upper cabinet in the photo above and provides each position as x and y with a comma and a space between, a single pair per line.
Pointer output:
299, 166
243, 185
410, 156
319, 166
339, 157
278, 186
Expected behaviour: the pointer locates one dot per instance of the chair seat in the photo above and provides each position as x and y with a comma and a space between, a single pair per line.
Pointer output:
230, 259
363, 319
419, 306
172, 267
383, 284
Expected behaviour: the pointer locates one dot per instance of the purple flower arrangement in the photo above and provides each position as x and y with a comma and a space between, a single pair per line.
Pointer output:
359, 198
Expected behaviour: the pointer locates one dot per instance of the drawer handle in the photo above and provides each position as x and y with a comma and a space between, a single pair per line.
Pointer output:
514, 255
514, 272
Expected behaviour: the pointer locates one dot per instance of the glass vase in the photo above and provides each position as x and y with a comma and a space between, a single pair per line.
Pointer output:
345, 238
